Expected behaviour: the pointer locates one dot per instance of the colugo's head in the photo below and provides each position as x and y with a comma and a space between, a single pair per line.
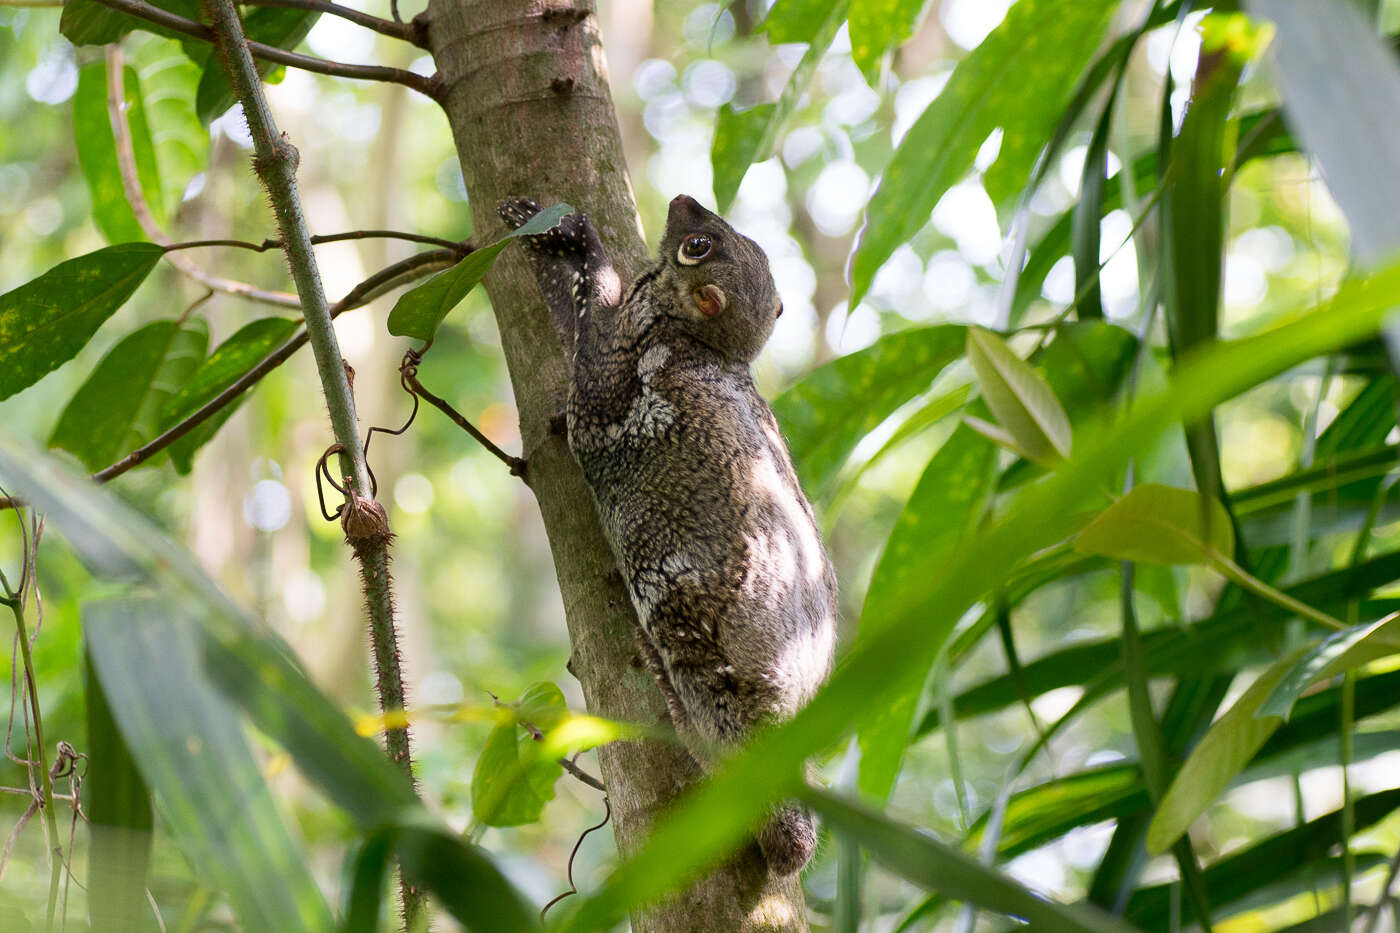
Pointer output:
726, 293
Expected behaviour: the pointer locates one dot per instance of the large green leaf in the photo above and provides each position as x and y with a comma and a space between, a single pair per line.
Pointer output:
1019, 397
827, 413
118, 408
512, 782
191, 751
1159, 524
419, 311
118, 807
1017, 79
230, 360
932, 865
717, 813
743, 138
45, 322
97, 155
944, 509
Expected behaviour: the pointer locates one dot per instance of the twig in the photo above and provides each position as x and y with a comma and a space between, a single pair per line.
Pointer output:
573, 888
131, 186
582, 775
426, 86
410, 378
365, 523
408, 32
274, 243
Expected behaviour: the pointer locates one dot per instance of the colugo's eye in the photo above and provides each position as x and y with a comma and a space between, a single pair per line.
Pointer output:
694, 247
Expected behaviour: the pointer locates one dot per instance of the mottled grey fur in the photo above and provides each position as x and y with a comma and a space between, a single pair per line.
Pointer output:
694, 485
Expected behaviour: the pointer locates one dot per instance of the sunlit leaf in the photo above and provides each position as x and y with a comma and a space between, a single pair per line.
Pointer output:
1341, 652
742, 138
1158, 524
878, 26
168, 84
419, 311
512, 781
45, 322
118, 408
1017, 79
1019, 397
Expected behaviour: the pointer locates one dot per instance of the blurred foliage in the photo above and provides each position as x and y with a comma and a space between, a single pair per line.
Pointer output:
1080, 227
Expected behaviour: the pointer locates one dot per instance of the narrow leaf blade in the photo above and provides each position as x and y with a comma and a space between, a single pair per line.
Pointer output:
1158, 524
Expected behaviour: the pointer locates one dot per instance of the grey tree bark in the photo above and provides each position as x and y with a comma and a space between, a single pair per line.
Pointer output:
525, 88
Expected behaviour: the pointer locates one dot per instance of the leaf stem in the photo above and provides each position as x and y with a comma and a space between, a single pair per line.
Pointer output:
1239, 576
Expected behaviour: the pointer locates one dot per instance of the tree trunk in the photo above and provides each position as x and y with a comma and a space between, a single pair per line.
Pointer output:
527, 97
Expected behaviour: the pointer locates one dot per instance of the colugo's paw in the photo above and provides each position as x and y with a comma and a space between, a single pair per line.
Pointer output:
517, 211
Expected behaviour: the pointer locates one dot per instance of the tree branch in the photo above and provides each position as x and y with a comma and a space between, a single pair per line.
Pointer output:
408, 32
427, 86
364, 521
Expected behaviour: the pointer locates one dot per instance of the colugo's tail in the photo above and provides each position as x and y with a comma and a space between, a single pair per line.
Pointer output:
788, 839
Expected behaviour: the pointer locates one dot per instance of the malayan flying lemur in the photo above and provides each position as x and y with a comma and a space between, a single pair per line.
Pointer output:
694, 485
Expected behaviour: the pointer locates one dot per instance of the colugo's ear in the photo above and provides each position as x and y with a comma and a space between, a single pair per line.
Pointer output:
710, 299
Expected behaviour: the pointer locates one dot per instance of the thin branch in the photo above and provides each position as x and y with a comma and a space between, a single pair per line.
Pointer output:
131, 185
408, 32
364, 521
461, 246
427, 86
516, 464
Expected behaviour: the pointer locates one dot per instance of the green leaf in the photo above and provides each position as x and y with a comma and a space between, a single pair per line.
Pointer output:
97, 155
1019, 397
1018, 79
796, 20
1341, 652
230, 361
372, 865
419, 311
1158, 524
944, 509
742, 139
825, 415
919, 858
1345, 122
1088, 213
718, 812
190, 749
878, 26
45, 322
87, 22
282, 27
118, 407
512, 782
118, 807
1217, 758
168, 85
